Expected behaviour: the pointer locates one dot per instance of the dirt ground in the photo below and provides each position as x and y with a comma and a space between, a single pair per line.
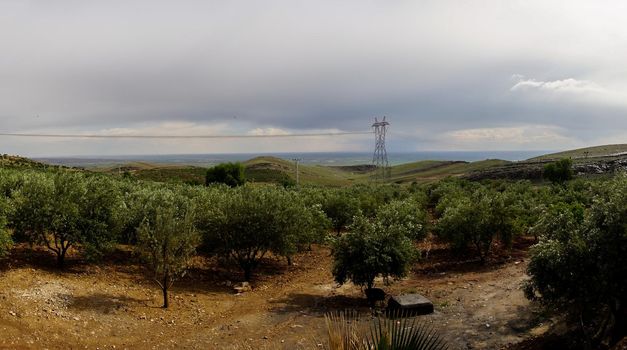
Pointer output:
113, 306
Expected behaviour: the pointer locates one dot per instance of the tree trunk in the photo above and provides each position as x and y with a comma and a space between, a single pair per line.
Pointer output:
164, 288
620, 326
247, 273
165, 298
289, 261
61, 259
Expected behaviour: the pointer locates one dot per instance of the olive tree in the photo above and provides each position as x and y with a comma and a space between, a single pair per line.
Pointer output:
64, 209
407, 214
167, 238
5, 236
371, 249
251, 221
580, 265
340, 208
477, 220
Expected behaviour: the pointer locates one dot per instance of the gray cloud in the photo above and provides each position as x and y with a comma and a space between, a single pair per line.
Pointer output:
438, 69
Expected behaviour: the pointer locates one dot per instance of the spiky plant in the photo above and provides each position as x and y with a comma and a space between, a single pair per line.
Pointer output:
347, 331
403, 334
343, 331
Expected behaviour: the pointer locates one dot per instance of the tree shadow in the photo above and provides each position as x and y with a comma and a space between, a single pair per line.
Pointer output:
104, 303
318, 304
23, 255
444, 259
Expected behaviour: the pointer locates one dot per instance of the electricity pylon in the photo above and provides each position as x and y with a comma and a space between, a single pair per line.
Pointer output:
380, 156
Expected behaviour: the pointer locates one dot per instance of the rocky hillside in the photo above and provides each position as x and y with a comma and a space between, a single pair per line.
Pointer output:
532, 169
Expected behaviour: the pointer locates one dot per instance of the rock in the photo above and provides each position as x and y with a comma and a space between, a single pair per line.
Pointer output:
12, 313
375, 294
410, 304
242, 287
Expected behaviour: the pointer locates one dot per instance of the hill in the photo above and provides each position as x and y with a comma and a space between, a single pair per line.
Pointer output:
589, 161
266, 169
431, 170
10, 161
587, 152
277, 170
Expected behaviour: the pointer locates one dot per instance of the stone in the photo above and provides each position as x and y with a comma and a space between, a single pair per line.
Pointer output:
374, 295
242, 287
410, 304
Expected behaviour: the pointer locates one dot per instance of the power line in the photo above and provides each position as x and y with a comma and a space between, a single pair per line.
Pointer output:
96, 136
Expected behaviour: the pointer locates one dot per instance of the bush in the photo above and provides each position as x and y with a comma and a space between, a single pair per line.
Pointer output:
369, 250
230, 174
580, 265
559, 172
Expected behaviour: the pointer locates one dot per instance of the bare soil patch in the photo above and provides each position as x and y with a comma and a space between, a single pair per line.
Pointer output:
113, 305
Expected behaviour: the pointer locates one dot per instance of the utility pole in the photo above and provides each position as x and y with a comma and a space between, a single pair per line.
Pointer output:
297, 160
380, 156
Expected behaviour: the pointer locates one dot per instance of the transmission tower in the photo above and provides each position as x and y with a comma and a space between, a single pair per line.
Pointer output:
380, 157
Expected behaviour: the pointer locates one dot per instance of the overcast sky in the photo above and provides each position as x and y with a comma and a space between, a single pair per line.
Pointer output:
450, 75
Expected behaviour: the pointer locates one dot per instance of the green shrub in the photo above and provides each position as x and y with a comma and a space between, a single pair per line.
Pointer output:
230, 174
559, 172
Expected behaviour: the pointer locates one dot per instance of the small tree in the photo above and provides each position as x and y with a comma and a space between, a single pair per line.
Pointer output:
559, 172
167, 239
369, 250
231, 174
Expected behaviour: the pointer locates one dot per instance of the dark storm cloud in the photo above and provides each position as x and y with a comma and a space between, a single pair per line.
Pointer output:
443, 71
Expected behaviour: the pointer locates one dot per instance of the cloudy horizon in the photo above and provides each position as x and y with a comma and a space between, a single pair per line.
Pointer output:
450, 75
